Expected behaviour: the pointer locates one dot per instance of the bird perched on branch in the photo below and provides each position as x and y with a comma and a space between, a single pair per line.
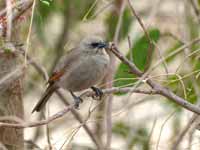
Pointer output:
81, 68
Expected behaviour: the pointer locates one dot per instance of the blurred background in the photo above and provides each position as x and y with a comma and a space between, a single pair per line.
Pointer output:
136, 121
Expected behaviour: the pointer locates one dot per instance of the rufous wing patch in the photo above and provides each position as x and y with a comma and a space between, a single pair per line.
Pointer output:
55, 76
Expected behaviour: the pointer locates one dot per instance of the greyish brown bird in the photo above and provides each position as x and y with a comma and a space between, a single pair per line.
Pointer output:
81, 68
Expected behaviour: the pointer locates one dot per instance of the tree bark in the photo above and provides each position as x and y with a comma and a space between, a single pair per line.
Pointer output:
11, 99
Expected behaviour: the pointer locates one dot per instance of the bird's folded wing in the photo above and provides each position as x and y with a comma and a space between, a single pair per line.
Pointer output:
65, 64
55, 76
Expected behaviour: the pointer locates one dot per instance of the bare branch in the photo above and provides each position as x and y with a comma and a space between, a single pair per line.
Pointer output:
29, 33
110, 77
155, 86
150, 49
196, 10
37, 123
184, 131
43, 72
9, 20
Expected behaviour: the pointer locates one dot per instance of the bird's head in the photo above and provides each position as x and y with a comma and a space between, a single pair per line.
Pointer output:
93, 43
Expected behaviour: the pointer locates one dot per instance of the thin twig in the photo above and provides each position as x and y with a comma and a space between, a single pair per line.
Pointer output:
9, 20
130, 48
31, 145
48, 132
23, 8
37, 123
14, 5
162, 127
80, 120
43, 72
196, 10
151, 44
110, 78
155, 86
106, 6
120, 90
173, 36
119, 23
140, 22
29, 33
178, 50
184, 131
59, 46
152, 130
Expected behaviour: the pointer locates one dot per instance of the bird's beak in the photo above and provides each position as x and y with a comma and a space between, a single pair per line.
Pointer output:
103, 45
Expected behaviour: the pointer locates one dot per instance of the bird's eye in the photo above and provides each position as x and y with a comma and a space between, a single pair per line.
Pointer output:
95, 44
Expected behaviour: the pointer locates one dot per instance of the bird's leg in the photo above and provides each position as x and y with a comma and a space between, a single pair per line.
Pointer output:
77, 99
98, 92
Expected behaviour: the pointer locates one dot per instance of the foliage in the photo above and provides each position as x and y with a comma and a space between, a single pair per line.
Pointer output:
47, 7
139, 50
111, 21
134, 136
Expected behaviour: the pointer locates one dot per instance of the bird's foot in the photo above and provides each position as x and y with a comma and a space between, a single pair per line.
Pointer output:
77, 100
98, 92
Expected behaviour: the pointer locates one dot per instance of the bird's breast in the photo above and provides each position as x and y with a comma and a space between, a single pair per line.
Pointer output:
87, 72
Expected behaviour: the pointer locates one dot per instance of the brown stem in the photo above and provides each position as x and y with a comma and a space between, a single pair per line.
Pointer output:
155, 86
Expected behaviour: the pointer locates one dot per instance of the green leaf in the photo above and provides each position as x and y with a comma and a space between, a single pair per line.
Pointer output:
83, 7
136, 139
121, 129
176, 86
171, 49
45, 11
7, 50
45, 2
123, 77
141, 47
112, 20
139, 138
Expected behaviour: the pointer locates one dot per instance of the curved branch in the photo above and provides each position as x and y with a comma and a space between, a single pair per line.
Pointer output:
37, 123
155, 86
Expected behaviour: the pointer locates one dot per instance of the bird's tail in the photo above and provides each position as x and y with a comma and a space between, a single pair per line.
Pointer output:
45, 97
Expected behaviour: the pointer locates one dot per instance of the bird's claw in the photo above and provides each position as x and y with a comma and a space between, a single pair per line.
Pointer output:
98, 92
77, 100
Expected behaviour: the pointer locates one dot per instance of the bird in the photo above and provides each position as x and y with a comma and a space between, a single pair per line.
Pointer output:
80, 68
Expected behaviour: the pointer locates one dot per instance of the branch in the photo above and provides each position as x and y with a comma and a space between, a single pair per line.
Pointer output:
155, 86
43, 72
22, 7
150, 49
140, 22
110, 76
182, 134
120, 90
81, 121
196, 10
37, 123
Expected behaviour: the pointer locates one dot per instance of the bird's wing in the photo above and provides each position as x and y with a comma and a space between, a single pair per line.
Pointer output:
64, 63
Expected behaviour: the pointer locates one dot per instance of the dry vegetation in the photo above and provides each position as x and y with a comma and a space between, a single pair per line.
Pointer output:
151, 93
